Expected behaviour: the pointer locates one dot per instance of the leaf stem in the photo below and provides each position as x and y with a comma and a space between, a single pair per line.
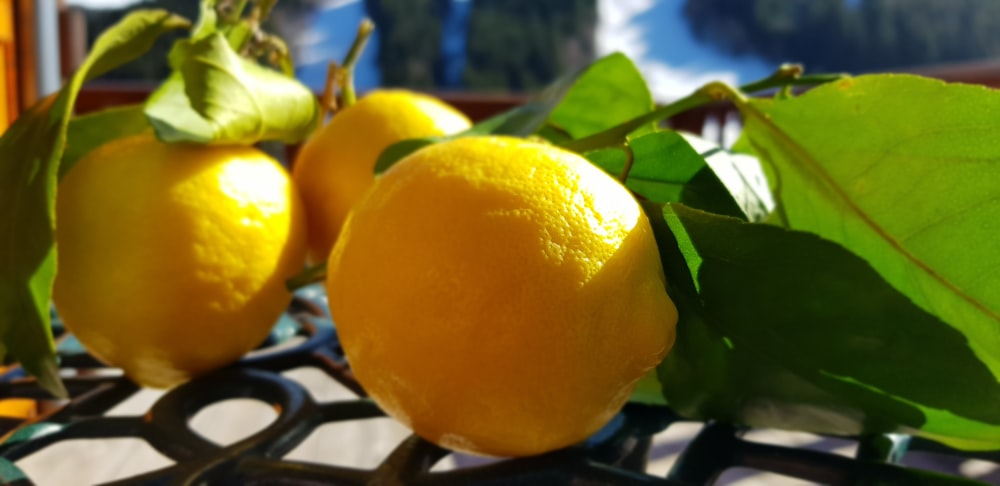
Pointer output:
313, 274
614, 135
785, 75
347, 95
629, 159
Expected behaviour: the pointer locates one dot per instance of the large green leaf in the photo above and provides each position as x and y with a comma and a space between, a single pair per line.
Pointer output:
666, 167
609, 92
905, 172
217, 96
781, 328
30, 152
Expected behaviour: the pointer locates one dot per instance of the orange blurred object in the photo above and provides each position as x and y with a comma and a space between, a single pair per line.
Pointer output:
22, 408
8, 59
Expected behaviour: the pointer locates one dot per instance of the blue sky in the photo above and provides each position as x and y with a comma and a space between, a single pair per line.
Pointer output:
654, 35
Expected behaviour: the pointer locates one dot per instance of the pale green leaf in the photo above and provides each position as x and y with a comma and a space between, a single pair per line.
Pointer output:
217, 96
609, 92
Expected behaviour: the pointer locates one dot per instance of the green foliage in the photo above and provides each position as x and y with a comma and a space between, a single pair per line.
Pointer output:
30, 154
811, 328
666, 168
609, 92
913, 187
832, 35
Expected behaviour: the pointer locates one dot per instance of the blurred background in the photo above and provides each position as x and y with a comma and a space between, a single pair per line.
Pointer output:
486, 55
519, 46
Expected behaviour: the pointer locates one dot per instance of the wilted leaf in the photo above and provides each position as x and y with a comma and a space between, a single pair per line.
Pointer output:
217, 96
905, 172
30, 152
783, 329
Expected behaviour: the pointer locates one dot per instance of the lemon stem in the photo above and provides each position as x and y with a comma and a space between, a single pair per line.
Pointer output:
262, 9
230, 11
328, 102
347, 94
313, 274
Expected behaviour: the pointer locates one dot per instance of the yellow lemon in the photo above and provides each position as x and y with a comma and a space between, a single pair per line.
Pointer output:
172, 258
336, 165
499, 296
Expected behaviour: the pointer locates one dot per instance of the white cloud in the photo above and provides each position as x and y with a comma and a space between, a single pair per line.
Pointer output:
617, 32
333, 4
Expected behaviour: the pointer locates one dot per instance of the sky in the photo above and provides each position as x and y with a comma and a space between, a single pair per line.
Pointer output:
651, 32
654, 35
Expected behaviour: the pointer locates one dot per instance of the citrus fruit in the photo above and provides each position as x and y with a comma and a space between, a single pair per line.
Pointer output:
336, 165
499, 296
172, 257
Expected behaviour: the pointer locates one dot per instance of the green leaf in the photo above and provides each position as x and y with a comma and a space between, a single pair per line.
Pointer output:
398, 150
666, 167
742, 174
522, 121
905, 172
30, 152
783, 329
216, 96
92, 130
609, 92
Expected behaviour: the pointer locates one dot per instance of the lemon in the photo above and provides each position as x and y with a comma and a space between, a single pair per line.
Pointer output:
499, 296
172, 258
336, 165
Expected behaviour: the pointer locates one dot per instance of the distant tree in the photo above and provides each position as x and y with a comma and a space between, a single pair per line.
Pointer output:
409, 37
522, 45
854, 36
511, 45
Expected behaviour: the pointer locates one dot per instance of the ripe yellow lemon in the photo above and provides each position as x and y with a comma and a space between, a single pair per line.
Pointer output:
499, 296
172, 258
336, 165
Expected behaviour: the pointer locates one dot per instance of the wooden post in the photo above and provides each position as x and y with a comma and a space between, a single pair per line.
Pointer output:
9, 102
